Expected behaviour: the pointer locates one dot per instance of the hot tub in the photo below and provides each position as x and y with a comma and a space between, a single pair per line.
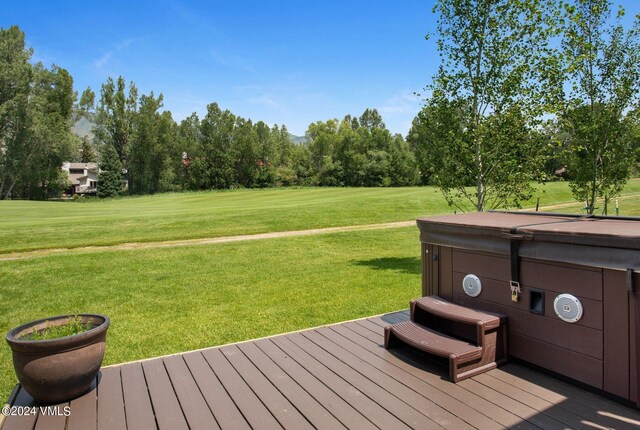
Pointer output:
569, 285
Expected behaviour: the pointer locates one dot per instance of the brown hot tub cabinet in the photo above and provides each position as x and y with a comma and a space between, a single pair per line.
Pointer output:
576, 285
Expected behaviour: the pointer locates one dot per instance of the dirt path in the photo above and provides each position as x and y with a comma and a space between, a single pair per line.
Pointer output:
203, 241
574, 203
225, 239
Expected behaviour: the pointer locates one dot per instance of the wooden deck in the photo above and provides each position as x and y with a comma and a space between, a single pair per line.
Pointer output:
332, 377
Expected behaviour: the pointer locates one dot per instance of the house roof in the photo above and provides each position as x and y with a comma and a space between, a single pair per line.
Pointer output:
74, 178
89, 166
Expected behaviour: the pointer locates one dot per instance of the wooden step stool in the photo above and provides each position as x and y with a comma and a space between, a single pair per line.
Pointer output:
473, 341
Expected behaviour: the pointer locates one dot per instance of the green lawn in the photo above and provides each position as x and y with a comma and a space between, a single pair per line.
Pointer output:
170, 300
629, 205
163, 301
27, 225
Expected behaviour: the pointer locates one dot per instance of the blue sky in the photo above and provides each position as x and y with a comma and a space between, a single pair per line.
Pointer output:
284, 62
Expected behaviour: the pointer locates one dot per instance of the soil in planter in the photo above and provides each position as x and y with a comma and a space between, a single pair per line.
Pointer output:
74, 325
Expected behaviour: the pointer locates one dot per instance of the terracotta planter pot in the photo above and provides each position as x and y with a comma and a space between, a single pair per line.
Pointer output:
57, 370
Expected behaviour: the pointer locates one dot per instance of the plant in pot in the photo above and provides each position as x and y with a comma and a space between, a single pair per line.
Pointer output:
57, 359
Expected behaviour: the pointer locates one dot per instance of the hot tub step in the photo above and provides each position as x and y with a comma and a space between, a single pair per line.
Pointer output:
430, 341
439, 307
473, 341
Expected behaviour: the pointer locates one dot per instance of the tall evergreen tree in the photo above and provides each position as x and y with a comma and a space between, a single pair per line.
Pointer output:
110, 182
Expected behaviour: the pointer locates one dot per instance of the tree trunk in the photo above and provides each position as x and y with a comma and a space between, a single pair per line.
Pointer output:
8, 193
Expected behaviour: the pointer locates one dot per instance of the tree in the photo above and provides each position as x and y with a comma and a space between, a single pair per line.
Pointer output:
87, 153
87, 100
150, 148
85, 108
266, 155
86, 105
244, 147
114, 118
416, 139
496, 70
15, 80
286, 172
350, 153
36, 104
283, 145
189, 141
301, 164
322, 137
110, 176
403, 170
602, 69
214, 163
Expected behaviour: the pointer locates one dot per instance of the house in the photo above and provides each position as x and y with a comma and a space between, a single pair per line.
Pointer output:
83, 178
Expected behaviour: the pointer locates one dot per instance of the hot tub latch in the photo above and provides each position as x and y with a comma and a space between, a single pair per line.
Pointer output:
516, 290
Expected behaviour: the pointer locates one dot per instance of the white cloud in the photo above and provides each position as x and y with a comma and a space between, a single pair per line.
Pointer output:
124, 44
399, 110
264, 100
99, 63
405, 102
233, 62
102, 61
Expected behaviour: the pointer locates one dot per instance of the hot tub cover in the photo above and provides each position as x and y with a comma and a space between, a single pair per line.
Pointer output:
608, 242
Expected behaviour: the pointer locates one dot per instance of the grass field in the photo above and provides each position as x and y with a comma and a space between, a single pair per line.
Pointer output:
27, 225
170, 300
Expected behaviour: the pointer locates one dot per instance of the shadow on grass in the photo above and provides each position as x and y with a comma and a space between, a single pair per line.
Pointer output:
409, 265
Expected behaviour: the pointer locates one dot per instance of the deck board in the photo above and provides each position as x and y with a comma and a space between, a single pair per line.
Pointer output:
52, 417
227, 414
377, 392
139, 412
318, 416
343, 411
331, 377
279, 406
351, 389
165, 403
361, 363
245, 399
85, 408
444, 409
415, 372
543, 406
193, 404
22, 399
110, 399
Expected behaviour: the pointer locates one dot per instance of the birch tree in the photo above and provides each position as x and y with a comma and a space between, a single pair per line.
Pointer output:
496, 77
601, 60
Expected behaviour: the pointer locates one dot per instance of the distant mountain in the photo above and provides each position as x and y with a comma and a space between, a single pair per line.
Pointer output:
84, 127
298, 140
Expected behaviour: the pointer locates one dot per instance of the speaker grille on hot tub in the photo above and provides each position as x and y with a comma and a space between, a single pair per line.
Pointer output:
471, 285
568, 308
